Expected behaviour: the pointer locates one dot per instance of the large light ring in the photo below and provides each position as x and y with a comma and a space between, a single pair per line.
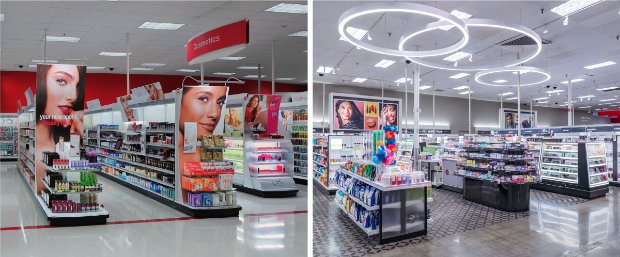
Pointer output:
520, 69
400, 7
477, 23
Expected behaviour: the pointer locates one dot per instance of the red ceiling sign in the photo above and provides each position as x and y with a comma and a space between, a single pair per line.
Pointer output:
219, 42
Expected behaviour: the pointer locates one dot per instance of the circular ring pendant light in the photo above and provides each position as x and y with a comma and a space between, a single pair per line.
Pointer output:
479, 77
400, 7
486, 23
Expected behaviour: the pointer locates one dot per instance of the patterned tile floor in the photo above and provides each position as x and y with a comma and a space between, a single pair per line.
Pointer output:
336, 235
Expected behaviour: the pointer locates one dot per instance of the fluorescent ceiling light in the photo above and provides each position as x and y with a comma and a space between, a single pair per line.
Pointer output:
32, 66
1, 17
505, 94
299, 34
541, 98
512, 98
46, 61
543, 102
599, 65
612, 105
458, 14
359, 80
465, 92
607, 88
62, 39
161, 25
425, 87
248, 67
457, 56
153, 64
584, 107
500, 81
384, 63
402, 80
289, 8
461, 87
285, 79
94, 68
113, 54
224, 73
460, 75
573, 6
186, 70
324, 69
254, 76
586, 96
356, 33
607, 100
142, 69
231, 58
555, 91
573, 81
522, 72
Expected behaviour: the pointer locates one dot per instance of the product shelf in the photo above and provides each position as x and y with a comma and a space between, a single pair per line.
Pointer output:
138, 164
368, 231
366, 206
384, 188
160, 145
68, 170
51, 215
53, 191
139, 175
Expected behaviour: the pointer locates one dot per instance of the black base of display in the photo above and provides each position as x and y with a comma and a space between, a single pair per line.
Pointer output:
79, 221
614, 183
402, 237
565, 189
196, 213
8, 159
300, 181
323, 189
505, 197
451, 188
267, 194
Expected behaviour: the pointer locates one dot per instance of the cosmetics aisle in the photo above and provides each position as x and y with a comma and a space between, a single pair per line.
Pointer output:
260, 230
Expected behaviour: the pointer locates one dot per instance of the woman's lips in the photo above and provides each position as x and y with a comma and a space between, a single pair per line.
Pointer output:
66, 109
208, 126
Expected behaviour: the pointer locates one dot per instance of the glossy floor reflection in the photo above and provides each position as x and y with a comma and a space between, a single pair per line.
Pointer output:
586, 229
267, 227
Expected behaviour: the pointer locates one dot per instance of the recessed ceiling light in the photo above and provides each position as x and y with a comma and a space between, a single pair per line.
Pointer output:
543, 102
289, 8
324, 69
458, 14
62, 39
607, 100
248, 67
505, 94
541, 98
402, 80
32, 66
299, 34
573, 81
465, 92
359, 80
142, 69
254, 76
356, 33
153, 64
224, 73
599, 65
1, 17
161, 25
384, 63
573, 6
285, 79
113, 54
584, 107
460, 75
500, 81
94, 68
607, 88
457, 56
46, 61
461, 87
186, 70
512, 98
425, 87
586, 96
231, 58
555, 91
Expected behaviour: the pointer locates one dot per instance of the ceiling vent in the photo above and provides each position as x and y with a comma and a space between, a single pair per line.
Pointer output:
522, 41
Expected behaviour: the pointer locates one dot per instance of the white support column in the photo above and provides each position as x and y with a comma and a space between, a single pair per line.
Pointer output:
518, 106
258, 93
570, 102
469, 111
45, 46
416, 116
532, 112
433, 114
406, 97
127, 54
323, 109
501, 106
202, 73
273, 67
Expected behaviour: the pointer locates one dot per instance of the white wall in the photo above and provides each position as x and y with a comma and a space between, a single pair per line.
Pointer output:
451, 112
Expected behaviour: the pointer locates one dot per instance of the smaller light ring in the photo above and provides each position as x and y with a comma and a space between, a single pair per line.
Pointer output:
477, 23
521, 69
401, 7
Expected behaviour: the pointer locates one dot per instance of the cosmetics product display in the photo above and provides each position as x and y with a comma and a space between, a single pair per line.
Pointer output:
8, 138
499, 162
369, 221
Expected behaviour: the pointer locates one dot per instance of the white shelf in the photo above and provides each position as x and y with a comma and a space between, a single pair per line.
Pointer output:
139, 186
383, 188
560, 157
224, 207
122, 151
560, 179
268, 162
160, 158
599, 183
367, 207
597, 156
138, 164
132, 142
558, 164
598, 174
67, 170
366, 230
160, 131
53, 191
562, 172
160, 145
234, 148
597, 165
559, 150
50, 214
318, 163
139, 175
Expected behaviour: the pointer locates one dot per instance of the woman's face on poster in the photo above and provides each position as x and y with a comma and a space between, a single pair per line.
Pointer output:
345, 110
61, 85
202, 105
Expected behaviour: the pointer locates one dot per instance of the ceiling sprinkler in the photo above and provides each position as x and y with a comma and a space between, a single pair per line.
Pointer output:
565, 22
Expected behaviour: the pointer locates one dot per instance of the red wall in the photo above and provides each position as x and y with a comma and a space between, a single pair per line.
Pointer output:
106, 87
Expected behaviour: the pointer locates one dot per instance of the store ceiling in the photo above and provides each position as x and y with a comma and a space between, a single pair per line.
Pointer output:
103, 26
589, 38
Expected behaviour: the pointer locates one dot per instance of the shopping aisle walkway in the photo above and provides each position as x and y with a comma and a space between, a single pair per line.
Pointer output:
140, 226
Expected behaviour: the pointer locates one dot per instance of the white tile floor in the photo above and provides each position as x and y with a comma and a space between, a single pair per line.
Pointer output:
261, 230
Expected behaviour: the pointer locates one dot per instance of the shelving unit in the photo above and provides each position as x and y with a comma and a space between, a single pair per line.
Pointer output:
25, 147
296, 130
320, 156
577, 169
9, 127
